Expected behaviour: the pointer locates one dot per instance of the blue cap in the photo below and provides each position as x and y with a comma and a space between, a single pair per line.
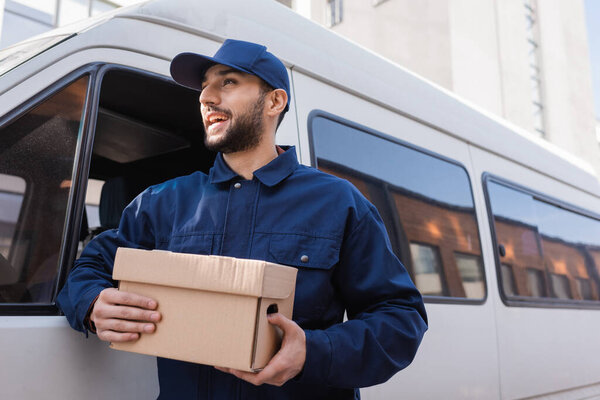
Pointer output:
188, 69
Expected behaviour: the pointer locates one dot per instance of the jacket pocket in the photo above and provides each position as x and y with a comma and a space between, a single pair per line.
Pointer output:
303, 251
315, 259
194, 243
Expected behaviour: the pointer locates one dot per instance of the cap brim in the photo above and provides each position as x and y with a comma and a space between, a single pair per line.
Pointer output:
188, 69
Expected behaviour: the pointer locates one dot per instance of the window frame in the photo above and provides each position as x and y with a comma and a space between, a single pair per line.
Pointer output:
318, 113
81, 168
98, 70
525, 301
72, 217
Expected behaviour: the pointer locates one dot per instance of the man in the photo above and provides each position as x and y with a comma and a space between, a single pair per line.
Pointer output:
258, 202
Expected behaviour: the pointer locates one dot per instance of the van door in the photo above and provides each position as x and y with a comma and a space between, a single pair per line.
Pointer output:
42, 145
547, 261
421, 182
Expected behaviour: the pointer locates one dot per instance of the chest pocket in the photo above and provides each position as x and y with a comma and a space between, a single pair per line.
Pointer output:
194, 243
315, 259
303, 251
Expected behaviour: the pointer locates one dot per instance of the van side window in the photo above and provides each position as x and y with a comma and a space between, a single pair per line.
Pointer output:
545, 251
36, 167
426, 204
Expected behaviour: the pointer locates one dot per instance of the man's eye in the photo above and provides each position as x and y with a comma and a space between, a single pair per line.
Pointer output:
227, 81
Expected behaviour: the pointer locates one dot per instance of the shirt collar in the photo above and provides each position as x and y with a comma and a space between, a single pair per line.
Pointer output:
269, 175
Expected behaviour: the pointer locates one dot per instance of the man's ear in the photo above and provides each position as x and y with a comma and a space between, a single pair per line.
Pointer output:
277, 102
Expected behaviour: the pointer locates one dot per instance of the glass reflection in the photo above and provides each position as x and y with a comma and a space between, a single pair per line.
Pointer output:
425, 202
36, 169
12, 189
427, 269
397, 165
554, 252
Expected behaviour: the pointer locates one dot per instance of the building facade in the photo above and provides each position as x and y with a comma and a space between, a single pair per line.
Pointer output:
22, 19
526, 61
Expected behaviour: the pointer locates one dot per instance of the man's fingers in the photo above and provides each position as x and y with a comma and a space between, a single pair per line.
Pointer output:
268, 375
253, 378
121, 325
281, 321
126, 313
115, 296
286, 363
112, 336
123, 316
290, 328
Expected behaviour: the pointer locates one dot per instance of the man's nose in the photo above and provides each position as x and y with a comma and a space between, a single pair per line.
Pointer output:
208, 96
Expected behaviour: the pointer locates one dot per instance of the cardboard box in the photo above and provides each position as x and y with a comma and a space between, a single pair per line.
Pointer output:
214, 309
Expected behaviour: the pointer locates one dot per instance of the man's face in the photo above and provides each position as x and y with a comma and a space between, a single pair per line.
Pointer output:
231, 104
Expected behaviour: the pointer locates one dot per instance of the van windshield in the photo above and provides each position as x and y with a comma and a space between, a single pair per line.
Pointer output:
19, 53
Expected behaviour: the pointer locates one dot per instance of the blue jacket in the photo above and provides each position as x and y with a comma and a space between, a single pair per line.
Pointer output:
285, 212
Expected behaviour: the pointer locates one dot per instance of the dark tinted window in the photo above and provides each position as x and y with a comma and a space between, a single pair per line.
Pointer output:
36, 165
425, 202
553, 252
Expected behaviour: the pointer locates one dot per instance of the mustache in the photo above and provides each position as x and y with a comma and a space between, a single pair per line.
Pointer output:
218, 109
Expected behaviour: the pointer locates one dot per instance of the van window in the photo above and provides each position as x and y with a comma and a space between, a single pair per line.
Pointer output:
426, 204
552, 252
36, 165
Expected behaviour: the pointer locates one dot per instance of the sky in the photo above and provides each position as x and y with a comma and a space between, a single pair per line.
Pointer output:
592, 9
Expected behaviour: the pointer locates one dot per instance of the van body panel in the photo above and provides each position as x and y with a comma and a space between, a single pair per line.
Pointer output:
43, 357
554, 348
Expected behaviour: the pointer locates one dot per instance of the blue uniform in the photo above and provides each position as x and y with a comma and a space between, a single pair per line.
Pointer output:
289, 214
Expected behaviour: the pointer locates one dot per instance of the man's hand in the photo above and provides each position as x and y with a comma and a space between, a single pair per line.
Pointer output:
122, 316
287, 363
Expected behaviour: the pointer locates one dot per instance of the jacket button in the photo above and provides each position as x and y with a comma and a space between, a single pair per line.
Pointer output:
237, 185
304, 258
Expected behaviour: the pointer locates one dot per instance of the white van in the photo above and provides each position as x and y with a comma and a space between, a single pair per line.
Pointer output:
499, 230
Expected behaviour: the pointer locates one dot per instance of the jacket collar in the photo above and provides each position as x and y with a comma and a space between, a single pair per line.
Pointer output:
269, 175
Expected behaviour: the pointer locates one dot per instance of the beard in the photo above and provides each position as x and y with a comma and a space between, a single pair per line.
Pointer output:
243, 133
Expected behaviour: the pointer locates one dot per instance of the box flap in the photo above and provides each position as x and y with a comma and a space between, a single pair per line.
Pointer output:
279, 281
211, 273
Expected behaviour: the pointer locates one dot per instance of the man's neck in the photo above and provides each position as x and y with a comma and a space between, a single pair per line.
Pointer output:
244, 163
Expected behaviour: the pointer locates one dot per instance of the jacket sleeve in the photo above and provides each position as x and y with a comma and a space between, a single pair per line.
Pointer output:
386, 314
92, 272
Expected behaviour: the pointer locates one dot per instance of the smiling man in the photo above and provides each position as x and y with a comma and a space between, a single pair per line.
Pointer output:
245, 131
258, 202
